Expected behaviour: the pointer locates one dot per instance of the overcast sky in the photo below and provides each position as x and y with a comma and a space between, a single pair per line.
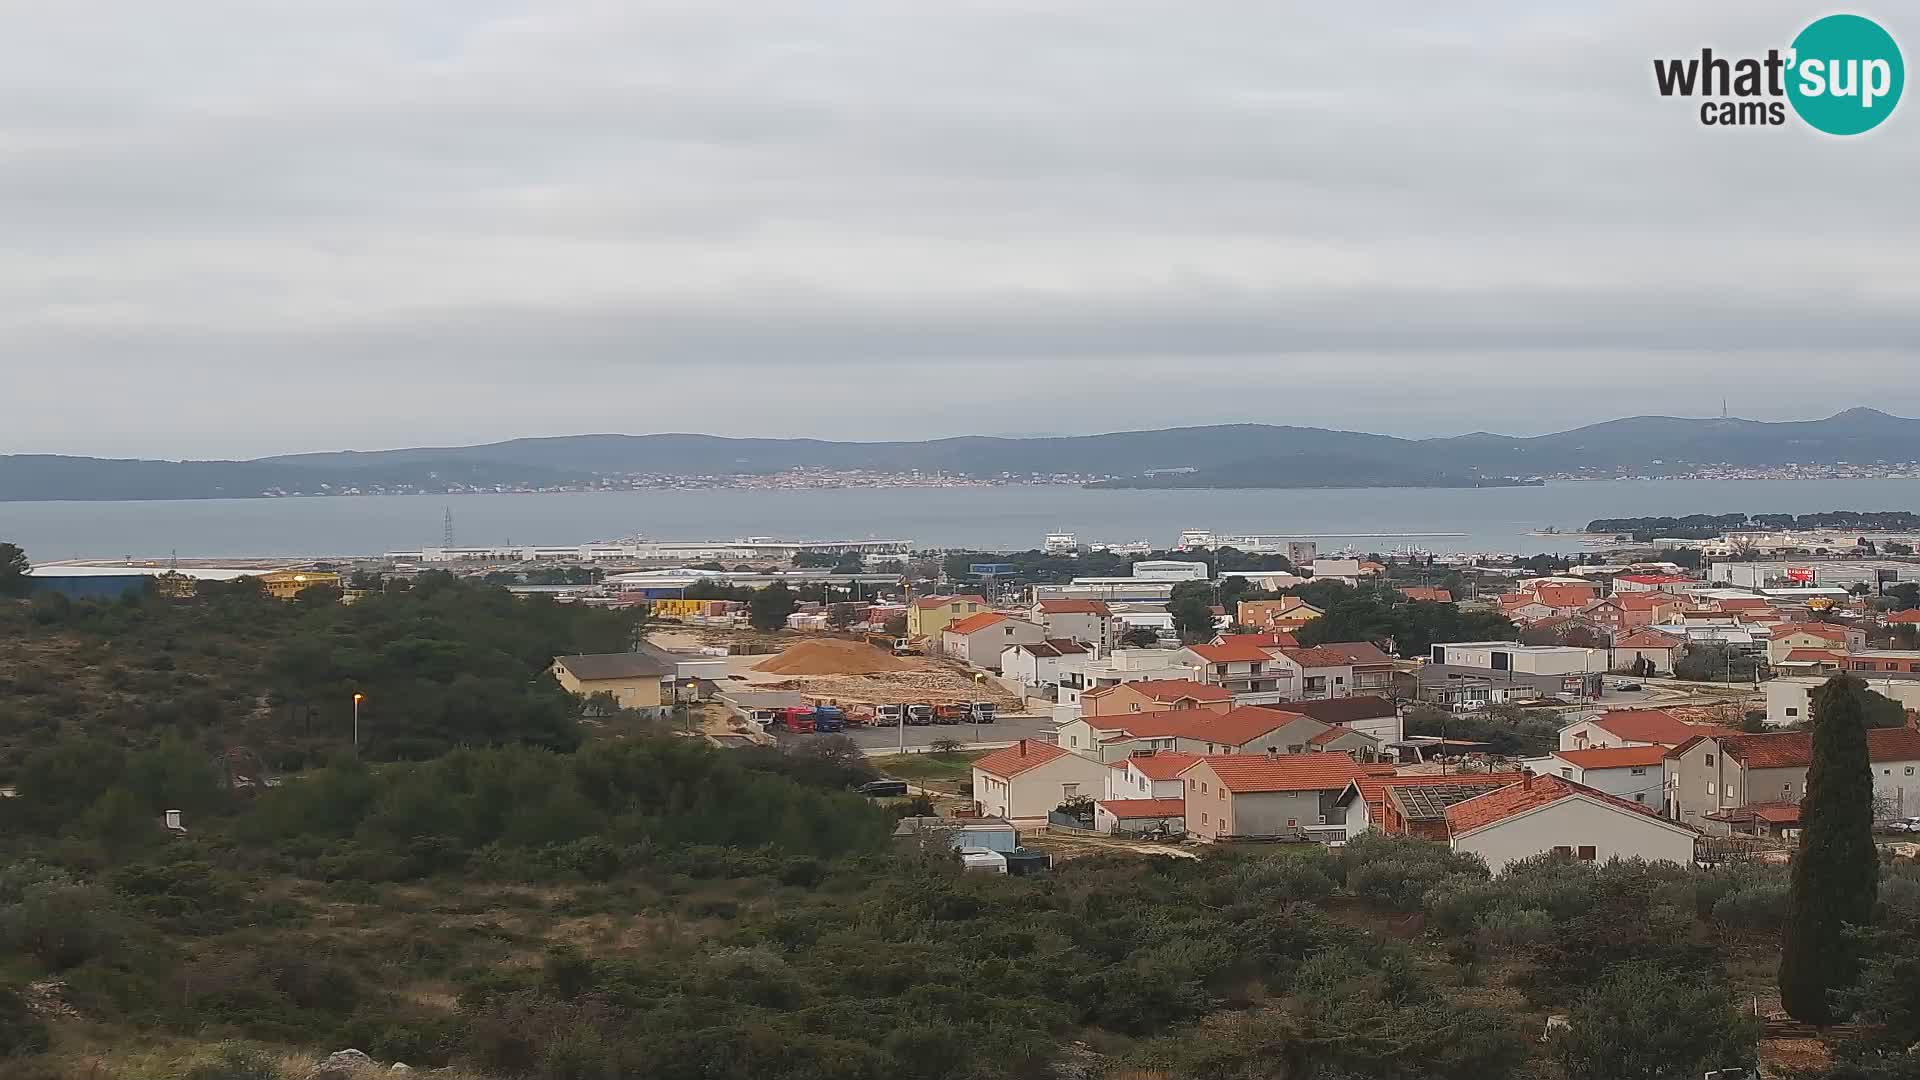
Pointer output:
242, 227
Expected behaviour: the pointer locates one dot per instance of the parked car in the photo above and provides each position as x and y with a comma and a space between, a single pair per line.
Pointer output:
883, 788
1626, 686
1911, 824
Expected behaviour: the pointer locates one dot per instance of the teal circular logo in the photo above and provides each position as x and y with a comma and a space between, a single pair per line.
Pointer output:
1845, 75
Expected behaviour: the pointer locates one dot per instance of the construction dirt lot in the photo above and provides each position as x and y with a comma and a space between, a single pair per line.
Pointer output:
842, 672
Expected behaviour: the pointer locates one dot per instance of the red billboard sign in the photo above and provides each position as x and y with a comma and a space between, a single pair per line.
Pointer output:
1800, 573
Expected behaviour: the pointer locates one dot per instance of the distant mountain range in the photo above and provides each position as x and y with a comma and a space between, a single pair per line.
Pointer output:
1229, 455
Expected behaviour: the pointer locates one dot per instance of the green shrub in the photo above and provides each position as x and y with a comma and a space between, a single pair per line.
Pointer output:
21, 1032
234, 1061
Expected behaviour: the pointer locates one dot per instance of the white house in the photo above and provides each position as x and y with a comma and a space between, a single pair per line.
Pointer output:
1089, 622
1543, 814
1028, 779
1635, 773
1790, 699
1041, 663
1149, 774
1522, 659
979, 640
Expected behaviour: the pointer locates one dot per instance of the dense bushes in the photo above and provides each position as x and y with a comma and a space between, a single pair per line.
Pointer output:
523, 810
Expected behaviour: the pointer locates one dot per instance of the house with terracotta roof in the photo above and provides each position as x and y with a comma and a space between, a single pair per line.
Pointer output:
1338, 669
1029, 779
1635, 773
1356, 744
979, 640
1709, 774
1427, 595
1370, 713
1089, 622
1631, 727
1631, 650
1774, 819
1811, 662
1884, 661
1249, 671
1909, 617
1287, 613
927, 616
1122, 666
1551, 814
1244, 730
1412, 804
1149, 774
1813, 635
1042, 663
1265, 796
1154, 695
1123, 817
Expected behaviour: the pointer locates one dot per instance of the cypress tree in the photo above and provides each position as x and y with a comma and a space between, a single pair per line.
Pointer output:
1836, 873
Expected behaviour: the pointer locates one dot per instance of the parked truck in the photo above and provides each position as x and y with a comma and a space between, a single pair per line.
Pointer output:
983, 712
885, 715
828, 718
920, 715
798, 719
951, 713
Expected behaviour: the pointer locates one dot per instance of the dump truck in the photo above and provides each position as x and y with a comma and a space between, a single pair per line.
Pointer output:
983, 712
889, 714
828, 718
951, 713
920, 715
798, 720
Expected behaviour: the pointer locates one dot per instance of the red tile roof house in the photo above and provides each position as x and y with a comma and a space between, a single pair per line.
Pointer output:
1120, 817
1089, 622
1542, 814
1338, 669
1246, 730
1255, 796
1909, 617
1029, 779
1414, 804
1710, 774
1251, 672
1431, 596
1154, 695
1149, 774
1635, 773
978, 640
1654, 647
1632, 727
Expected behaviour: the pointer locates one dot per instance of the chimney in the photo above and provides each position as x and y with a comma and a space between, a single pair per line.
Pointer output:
1272, 752
1023, 748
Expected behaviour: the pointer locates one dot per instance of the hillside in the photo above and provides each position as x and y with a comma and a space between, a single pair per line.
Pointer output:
1230, 455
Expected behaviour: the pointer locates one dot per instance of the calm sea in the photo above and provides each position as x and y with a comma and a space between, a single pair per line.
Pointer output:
1485, 520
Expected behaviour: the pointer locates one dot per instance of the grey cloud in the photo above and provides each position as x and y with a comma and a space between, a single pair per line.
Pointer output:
456, 222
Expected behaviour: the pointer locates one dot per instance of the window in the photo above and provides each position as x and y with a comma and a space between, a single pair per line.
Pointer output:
1293, 823
1637, 770
1568, 773
1203, 817
1136, 708
1587, 854
1069, 790
1223, 794
1203, 787
1073, 740
1909, 770
1562, 849
1709, 759
1639, 796
1791, 711
1709, 787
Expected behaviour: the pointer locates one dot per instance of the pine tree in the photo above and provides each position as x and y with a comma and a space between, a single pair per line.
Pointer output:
1836, 874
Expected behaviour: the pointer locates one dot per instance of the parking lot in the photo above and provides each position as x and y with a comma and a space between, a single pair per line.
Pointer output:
1006, 729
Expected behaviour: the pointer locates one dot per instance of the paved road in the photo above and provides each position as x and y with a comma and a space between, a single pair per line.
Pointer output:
1004, 730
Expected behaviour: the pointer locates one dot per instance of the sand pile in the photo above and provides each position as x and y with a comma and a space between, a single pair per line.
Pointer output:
833, 657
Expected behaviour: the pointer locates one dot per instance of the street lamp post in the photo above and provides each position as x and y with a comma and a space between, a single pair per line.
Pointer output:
357, 699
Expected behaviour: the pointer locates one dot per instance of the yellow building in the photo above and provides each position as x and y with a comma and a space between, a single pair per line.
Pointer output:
635, 680
286, 584
929, 616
